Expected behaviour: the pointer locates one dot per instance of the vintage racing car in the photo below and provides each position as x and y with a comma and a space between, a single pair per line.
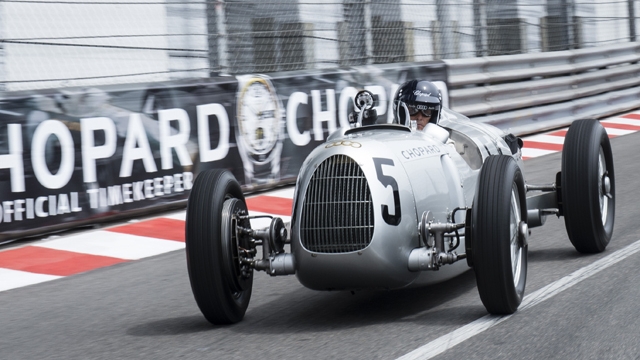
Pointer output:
386, 206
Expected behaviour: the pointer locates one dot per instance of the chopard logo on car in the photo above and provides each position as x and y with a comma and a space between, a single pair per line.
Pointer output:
353, 144
419, 151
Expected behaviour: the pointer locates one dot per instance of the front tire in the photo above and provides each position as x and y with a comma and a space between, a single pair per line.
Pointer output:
588, 186
220, 284
499, 247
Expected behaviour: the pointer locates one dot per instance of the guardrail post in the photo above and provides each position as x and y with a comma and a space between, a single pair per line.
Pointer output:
444, 41
560, 25
632, 20
212, 38
479, 26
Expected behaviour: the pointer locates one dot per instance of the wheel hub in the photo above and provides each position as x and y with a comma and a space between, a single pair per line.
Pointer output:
523, 234
606, 186
234, 242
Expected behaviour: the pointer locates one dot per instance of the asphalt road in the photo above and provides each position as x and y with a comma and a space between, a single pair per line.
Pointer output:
145, 310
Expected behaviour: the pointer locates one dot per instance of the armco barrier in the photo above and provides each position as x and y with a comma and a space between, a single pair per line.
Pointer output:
537, 91
80, 156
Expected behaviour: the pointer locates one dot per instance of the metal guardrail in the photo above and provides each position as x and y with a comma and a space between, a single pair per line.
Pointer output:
535, 92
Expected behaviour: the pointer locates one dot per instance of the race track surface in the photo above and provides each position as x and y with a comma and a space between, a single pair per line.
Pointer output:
122, 292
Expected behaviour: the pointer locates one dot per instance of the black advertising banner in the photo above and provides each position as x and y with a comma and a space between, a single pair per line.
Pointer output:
77, 156
317, 104
82, 155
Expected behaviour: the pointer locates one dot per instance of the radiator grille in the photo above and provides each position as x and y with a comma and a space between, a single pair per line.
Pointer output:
337, 214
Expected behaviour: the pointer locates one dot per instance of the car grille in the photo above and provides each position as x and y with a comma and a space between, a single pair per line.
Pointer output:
337, 214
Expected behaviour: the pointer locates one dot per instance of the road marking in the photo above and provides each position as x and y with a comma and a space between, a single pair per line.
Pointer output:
629, 119
106, 243
270, 204
40, 260
160, 228
528, 144
528, 153
617, 125
551, 142
57, 256
561, 132
178, 215
613, 132
263, 222
12, 279
545, 138
283, 192
448, 341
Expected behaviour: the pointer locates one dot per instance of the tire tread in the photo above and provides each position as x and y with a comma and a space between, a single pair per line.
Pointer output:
203, 249
580, 201
491, 257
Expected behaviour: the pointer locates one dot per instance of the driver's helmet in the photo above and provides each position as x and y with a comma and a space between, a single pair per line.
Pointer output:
414, 96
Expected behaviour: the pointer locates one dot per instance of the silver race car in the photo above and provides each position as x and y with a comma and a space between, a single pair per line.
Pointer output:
387, 206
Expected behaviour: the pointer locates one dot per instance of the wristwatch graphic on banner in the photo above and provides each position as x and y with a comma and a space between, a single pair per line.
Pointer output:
260, 129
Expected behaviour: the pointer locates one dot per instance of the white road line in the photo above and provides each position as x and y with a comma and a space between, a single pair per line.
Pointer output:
255, 223
260, 223
180, 215
531, 152
113, 244
549, 139
283, 192
12, 279
621, 120
446, 342
618, 132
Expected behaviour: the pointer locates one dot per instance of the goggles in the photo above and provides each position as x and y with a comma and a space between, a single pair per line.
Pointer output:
415, 109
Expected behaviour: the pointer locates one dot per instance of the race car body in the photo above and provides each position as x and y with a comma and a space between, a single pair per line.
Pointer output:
366, 185
386, 206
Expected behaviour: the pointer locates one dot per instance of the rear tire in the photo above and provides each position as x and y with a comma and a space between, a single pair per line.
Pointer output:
588, 186
499, 251
220, 284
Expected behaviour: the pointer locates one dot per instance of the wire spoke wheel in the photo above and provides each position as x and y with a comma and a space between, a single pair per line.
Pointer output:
516, 248
602, 186
588, 186
499, 252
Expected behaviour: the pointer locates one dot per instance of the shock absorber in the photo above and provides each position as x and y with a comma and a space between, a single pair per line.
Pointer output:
433, 255
274, 260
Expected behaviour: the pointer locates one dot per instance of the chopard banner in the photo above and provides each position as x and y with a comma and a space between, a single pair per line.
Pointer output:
79, 156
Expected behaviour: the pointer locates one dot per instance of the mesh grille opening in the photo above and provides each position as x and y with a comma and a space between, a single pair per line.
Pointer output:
337, 214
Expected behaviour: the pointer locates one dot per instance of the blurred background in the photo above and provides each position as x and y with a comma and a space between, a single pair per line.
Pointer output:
56, 44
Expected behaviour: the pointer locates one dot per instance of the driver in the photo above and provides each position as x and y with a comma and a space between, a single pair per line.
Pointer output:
419, 100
